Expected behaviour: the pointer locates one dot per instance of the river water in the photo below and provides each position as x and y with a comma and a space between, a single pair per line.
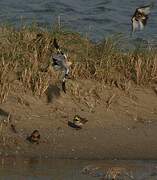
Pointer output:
95, 18
20, 168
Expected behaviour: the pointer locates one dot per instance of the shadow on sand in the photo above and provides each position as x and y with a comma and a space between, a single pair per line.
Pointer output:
3, 113
52, 92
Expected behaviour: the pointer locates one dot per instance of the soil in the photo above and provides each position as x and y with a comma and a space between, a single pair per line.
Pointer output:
121, 125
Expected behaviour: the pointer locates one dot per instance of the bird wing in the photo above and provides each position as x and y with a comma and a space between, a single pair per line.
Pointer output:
144, 20
135, 24
55, 43
66, 71
145, 10
141, 25
59, 57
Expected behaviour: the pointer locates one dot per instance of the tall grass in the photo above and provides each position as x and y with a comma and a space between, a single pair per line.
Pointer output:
25, 57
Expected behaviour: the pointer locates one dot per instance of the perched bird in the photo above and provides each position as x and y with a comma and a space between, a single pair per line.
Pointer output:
140, 17
60, 62
34, 137
78, 122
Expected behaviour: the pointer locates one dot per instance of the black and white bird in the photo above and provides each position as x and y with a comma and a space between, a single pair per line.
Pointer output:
60, 62
77, 122
140, 17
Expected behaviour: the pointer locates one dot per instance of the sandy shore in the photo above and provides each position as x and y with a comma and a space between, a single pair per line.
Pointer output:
120, 125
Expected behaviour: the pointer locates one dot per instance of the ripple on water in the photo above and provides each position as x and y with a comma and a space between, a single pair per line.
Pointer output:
104, 16
47, 168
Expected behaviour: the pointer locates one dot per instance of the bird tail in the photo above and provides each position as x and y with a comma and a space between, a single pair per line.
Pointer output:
63, 86
56, 45
64, 82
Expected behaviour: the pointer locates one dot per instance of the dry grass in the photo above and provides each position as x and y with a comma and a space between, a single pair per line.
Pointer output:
25, 56
6, 75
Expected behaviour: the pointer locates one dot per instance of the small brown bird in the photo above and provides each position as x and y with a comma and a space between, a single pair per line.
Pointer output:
34, 137
140, 17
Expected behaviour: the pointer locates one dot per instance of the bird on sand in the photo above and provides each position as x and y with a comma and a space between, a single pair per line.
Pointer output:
60, 62
140, 17
77, 122
34, 137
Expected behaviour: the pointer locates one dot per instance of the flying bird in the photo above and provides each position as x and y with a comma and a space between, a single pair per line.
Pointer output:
140, 17
60, 62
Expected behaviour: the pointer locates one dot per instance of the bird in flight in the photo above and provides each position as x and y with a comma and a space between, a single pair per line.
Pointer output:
60, 62
140, 17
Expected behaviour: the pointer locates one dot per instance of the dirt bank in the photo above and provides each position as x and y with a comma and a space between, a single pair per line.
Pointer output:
120, 125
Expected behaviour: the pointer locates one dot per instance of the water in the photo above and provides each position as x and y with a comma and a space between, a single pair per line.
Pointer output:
49, 169
96, 18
